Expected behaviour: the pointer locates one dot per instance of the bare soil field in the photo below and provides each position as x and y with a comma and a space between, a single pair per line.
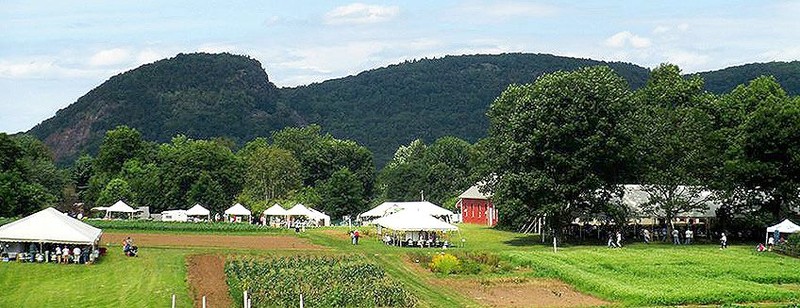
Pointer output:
265, 242
206, 274
523, 293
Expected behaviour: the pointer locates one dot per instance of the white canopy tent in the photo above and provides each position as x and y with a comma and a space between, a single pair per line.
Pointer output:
120, 207
276, 210
50, 226
410, 220
388, 208
198, 210
299, 210
238, 210
785, 226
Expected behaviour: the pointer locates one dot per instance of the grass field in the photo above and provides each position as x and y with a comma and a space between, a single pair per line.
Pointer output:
637, 275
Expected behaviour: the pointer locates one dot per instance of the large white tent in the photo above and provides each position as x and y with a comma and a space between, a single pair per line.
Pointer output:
50, 226
785, 226
411, 220
174, 215
120, 207
198, 210
238, 210
388, 208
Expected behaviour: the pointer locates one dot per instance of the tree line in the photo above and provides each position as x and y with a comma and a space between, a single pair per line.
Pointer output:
295, 164
562, 145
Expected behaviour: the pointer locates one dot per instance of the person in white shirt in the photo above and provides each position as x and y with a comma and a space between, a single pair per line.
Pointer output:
76, 254
65, 254
58, 254
689, 235
770, 243
723, 241
646, 236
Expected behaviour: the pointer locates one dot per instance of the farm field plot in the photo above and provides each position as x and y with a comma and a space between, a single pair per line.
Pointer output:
260, 242
664, 275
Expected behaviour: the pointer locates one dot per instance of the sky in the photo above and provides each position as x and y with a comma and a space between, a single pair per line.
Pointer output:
53, 52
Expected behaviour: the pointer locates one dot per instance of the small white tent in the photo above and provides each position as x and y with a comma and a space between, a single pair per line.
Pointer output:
785, 226
120, 207
199, 210
238, 210
299, 210
50, 226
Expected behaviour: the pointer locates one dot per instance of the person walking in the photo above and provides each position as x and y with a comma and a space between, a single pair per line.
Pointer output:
646, 236
356, 235
611, 243
619, 239
676, 238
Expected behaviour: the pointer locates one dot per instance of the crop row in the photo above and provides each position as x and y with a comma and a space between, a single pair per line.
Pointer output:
147, 225
323, 281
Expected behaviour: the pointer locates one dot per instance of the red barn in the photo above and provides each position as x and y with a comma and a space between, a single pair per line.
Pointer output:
477, 207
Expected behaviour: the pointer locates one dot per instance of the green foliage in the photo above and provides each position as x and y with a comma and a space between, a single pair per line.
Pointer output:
120, 144
558, 142
326, 282
460, 262
271, 172
725, 80
115, 190
343, 194
29, 181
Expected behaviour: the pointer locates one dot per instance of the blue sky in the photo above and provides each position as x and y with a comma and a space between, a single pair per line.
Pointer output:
52, 52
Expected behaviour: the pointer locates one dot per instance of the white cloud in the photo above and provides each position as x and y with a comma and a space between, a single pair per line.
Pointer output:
109, 57
683, 27
149, 56
359, 13
625, 38
661, 29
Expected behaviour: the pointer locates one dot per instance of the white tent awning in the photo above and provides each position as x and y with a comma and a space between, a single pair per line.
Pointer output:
276, 210
238, 210
198, 210
410, 220
120, 207
785, 226
388, 208
50, 226
299, 210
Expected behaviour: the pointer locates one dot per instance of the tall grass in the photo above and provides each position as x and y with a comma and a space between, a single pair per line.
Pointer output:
200, 227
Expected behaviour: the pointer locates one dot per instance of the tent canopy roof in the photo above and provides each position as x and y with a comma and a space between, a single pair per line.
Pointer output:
299, 210
50, 226
411, 220
635, 196
198, 210
387, 208
121, 207
238, 209
318, 215
276, 210
785, 226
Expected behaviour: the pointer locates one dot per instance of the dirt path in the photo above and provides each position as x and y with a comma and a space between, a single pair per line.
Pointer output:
206, 274
267, 242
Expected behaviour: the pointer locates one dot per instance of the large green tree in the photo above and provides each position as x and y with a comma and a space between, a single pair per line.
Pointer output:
342, 194
270, 173
559, 145
672, 133
29, 180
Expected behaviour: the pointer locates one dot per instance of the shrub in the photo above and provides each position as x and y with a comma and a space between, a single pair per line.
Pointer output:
445, 263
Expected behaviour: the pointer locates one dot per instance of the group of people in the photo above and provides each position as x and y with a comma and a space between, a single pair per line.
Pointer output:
55, 253
615, 239
67, 255
354, 235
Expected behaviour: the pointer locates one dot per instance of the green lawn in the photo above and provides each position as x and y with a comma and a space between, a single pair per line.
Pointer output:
145, 281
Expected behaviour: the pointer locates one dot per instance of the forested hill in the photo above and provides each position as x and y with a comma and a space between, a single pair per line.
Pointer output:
428, 99
209, 95
199, 95
786, 73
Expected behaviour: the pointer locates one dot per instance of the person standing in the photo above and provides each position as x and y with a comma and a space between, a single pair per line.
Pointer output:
689, 236
356, 235
676, 238
76, 254
58, 254
619, 239
723, 241
770, 243
646, 236
65, 255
